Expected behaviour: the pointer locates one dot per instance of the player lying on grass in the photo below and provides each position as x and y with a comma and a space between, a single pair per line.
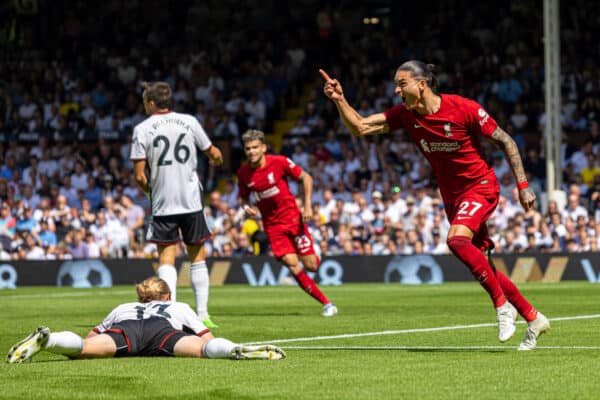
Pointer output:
154, 326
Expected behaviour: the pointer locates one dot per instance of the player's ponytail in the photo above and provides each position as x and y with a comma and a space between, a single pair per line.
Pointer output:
433, 82
420, 70
152, 289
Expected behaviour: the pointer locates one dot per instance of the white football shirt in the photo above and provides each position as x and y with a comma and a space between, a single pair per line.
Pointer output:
180, 315
169, 142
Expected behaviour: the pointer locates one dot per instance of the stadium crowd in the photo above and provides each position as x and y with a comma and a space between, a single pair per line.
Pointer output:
67, 111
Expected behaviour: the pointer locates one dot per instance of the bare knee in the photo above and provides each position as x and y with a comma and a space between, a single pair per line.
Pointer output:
311, 264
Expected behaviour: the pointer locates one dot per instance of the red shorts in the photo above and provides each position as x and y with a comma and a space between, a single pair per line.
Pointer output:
474, 207
289, 239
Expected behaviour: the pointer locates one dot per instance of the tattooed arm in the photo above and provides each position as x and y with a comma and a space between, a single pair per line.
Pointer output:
511, 151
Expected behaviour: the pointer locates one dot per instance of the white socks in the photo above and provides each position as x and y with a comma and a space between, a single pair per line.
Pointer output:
168, 273
218, 348
65, 343
200, 283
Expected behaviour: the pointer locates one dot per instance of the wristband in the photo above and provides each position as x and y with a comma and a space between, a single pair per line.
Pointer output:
522, 185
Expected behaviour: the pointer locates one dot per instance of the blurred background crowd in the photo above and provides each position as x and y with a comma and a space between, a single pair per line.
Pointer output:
70, 96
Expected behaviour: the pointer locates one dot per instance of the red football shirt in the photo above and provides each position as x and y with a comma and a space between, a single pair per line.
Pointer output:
269, 186
449, 139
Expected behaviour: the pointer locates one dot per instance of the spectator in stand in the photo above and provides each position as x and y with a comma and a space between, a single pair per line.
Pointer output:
29, 197
579, 159
242, 246
134, 217
48, 166
33, 250
26, 221
46, 236
573, 209
79, 178
93, 193
8, 223
591, 171
76, 245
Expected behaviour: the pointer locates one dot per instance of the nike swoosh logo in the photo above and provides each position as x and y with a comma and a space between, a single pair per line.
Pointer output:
417, 126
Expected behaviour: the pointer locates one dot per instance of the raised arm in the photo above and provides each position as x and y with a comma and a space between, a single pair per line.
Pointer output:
511, 151
358, 125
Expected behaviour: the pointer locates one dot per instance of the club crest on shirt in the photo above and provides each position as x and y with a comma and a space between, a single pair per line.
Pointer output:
447, 130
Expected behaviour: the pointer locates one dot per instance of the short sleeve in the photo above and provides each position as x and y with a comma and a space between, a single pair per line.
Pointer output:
138, 147
201, 139
243, 191
393, 117
290, 168
477, 119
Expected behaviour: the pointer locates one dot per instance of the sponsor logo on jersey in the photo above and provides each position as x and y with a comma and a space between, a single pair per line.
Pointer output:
447, 130
483, 117
432, 147
265, 194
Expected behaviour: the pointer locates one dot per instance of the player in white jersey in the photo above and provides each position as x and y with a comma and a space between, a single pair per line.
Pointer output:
166, 143
154, 326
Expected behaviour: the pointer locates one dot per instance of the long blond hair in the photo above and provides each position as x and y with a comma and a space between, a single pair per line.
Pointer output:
151, 289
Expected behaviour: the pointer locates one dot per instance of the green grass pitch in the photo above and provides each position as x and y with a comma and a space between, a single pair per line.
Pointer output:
388, 342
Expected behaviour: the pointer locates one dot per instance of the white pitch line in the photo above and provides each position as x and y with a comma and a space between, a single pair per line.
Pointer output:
415, 330
435, 347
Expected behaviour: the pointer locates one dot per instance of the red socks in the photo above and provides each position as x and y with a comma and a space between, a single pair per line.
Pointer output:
310, 287
513, 295
474, 259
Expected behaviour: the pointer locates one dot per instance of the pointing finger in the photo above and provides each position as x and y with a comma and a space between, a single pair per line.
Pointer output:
325, 76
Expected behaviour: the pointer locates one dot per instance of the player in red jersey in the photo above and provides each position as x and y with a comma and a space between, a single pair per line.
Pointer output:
447, 129
265, 176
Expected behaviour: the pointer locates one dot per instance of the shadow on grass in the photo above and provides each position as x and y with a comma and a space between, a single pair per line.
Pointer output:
411, 349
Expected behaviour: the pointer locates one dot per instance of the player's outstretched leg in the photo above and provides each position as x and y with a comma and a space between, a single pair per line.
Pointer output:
28, 347
311, 262
265, 352
535, 328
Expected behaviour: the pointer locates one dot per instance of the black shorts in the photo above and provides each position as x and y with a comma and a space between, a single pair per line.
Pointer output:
145, 337
164, 229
